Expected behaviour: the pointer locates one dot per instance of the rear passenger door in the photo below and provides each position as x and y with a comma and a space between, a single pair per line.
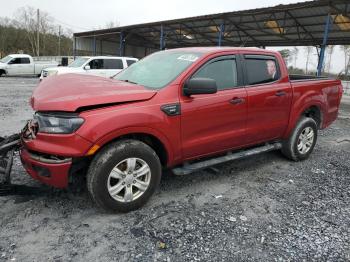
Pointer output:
213, 123
269, 98
112, 66
27, 67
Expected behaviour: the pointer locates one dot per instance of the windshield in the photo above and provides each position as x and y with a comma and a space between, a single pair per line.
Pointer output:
78, 62
159, 69
6, 59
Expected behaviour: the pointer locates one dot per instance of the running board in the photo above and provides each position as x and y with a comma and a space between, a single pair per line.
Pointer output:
190, 168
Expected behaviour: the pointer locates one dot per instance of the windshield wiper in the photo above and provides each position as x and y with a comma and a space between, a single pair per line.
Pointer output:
128, 81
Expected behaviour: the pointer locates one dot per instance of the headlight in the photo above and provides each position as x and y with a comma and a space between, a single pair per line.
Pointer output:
58, 123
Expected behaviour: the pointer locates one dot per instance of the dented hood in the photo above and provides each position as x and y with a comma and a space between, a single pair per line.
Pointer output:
71, 91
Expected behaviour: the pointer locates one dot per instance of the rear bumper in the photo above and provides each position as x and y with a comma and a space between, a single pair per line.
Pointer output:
53, 174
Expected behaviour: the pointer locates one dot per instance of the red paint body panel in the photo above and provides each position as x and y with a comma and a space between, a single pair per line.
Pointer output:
207, 125
69, 92
210, 123
325, 94
58, 172
71, 145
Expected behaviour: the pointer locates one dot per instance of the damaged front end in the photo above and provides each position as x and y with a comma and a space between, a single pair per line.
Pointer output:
8, 147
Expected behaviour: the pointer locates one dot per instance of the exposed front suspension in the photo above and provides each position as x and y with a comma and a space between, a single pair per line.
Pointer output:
8, 146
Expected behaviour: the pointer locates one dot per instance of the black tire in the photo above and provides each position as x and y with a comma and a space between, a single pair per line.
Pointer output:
290, 146
102, 165
1, 73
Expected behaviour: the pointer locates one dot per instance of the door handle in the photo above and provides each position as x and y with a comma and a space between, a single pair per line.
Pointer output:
237, 100
280, 93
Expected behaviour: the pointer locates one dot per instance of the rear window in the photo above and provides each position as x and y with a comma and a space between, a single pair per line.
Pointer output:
261, 69
113, 64
130, 62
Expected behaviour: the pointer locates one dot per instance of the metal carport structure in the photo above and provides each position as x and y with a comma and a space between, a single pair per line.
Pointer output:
315, 23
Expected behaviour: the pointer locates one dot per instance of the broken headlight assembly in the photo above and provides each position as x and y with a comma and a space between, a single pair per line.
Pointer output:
58, 123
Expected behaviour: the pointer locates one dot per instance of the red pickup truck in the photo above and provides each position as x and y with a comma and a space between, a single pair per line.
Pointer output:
183, 109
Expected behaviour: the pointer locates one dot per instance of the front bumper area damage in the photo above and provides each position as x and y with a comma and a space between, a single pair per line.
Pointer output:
47, 169
52, 158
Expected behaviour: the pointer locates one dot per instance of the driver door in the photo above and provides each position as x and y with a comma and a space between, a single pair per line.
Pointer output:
14, 67
96, 67
213, 123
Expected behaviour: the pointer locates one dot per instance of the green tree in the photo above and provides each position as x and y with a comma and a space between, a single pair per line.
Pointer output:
286, 54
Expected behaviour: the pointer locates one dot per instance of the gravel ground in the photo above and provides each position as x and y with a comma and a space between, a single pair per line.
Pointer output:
261, 208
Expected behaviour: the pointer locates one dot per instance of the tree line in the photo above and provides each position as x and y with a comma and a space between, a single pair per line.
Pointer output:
21, 34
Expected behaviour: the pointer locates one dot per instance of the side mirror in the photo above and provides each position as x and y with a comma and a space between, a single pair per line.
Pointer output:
87, 67
198, 86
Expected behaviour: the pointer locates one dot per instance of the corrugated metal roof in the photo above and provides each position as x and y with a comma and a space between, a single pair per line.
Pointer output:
282, 25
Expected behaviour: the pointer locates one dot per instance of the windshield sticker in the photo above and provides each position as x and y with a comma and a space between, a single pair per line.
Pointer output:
188, 57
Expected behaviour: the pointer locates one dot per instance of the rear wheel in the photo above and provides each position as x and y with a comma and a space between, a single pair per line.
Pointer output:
302, 140
124, 175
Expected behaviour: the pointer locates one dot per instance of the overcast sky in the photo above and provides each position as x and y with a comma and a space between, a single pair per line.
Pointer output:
83, 15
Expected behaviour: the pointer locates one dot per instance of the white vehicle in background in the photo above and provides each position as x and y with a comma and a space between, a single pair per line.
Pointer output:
23, 65
105, 66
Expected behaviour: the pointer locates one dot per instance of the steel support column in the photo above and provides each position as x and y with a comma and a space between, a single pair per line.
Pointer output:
74, 47
324, 45
94, 46
221, 34
121, 43
161, 40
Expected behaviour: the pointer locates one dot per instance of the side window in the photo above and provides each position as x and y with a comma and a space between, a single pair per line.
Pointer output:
15, 61
261, 69
25, 60
113, 64
224, 72
130, 62
96, 64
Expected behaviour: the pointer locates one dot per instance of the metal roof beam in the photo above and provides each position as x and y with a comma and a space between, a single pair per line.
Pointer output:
300, 25
243, 31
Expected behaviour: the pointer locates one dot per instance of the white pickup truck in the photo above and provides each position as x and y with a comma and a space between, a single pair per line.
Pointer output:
21, 65
105, 66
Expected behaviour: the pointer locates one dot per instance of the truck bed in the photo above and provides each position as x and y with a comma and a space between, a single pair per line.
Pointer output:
323, 89
308, 78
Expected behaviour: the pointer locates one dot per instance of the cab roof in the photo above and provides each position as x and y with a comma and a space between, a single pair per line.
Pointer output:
212, 50
19, 55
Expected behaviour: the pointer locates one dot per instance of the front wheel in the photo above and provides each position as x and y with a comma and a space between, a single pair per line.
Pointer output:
302, 140
124, 175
